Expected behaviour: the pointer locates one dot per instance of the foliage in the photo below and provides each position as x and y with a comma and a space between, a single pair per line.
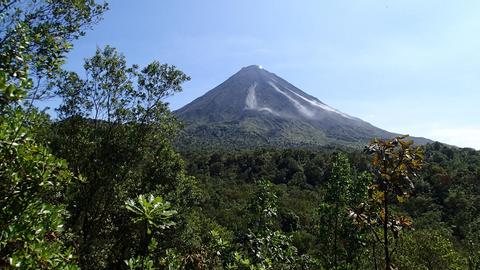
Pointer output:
116, 131
151, 211
154, 216
266, 248
34, 37
394, 164
37, 34
428, 249
340, 238
230, 185
32, 187
117, 93
472, 244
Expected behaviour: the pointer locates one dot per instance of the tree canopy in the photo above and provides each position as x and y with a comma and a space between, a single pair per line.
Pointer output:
105, 187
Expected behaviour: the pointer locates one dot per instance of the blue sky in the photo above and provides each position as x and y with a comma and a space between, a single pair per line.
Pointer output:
407, 66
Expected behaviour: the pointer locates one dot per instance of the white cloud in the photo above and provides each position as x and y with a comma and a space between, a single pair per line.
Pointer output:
463, 137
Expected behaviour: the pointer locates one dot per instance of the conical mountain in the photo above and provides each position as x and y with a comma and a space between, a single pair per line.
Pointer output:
255, 107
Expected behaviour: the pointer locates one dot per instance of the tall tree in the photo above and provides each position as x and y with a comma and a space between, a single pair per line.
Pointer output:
34, 37
267, 247
394, 164
116, 131
32, 187
340, 236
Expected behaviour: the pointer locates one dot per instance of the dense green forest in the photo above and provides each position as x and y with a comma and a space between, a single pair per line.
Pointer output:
104, 187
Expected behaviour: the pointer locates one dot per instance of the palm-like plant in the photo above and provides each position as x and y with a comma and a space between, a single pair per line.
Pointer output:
155, 214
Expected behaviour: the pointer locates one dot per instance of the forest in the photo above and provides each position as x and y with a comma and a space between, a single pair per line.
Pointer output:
105, 185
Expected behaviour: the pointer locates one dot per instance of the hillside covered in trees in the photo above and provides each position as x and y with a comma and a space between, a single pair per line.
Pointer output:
104, 187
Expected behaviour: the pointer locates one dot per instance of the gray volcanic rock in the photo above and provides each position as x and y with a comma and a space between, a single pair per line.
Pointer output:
256, 107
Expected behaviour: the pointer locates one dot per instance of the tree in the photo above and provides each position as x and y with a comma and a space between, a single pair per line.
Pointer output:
334, 209
32, 187
394, 164
41, 32
267, 248
116, 130
472, 244
343, 191
428, 249
34, 37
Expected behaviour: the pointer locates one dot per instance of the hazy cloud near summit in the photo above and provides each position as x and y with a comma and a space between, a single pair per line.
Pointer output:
462, 137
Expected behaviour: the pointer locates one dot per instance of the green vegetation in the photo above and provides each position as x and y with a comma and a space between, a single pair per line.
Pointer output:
394, 164
104, 188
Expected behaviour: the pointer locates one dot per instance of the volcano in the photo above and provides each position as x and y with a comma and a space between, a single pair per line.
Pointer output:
255, 107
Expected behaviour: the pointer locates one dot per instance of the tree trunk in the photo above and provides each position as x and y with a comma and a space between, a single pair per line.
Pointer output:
335, 250
385, 233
